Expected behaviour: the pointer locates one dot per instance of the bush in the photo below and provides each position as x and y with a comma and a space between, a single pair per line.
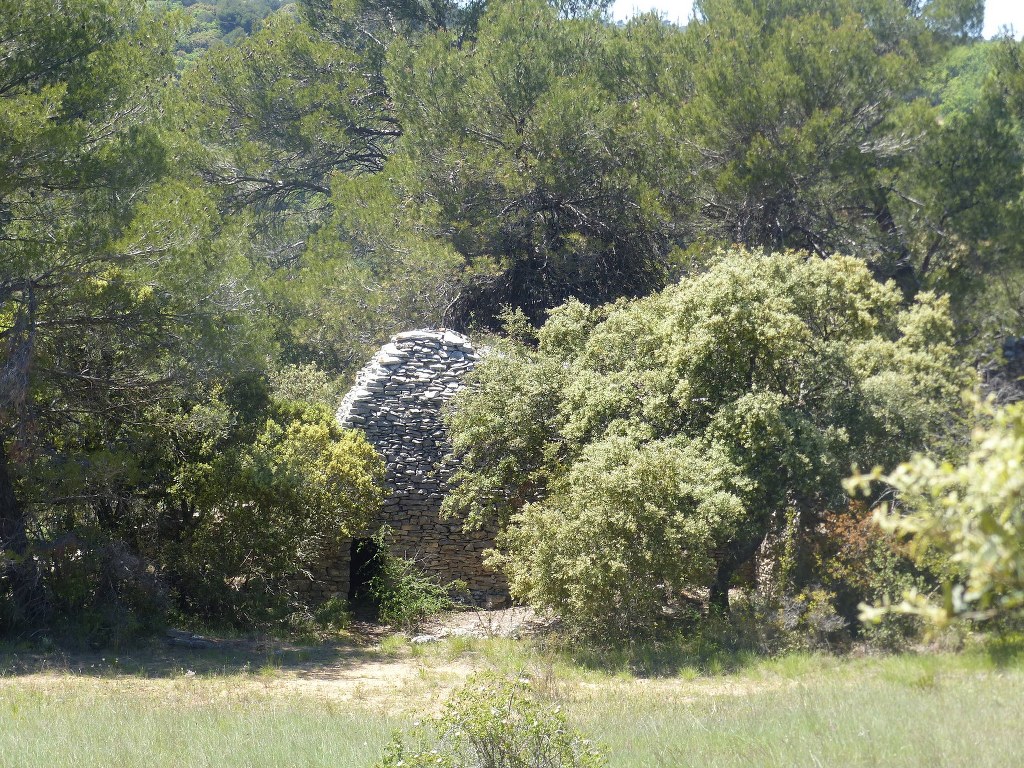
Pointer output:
313, 624
627, 527
860, 563
971, 516
641, 453
92, 591
767, 623
333, 614
494, 722
205, 518
265, 509
404, 594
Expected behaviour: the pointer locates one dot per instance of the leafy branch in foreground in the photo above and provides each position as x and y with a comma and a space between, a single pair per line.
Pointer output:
973, 513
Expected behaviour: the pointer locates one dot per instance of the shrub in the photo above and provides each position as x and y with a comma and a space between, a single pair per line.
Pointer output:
266, 509
645, 519
313, 624
644, 450
404, 594
860, 563
92, 591
971, 515
333, 614
768, 623
494, 722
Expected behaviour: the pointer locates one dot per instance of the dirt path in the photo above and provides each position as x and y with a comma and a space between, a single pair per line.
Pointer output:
391, 686
184, 666
375, 670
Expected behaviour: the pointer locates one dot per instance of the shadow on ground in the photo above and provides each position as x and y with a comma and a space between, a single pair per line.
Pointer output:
168, 656
1006, 650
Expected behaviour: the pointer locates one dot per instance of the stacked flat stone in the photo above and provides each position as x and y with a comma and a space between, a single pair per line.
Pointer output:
397, 401
327, 580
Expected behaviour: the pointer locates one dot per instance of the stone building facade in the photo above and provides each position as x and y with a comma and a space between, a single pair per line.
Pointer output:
397, 401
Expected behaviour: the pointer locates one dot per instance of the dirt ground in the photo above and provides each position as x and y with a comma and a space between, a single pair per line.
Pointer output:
365, 669
373, 668
519, 621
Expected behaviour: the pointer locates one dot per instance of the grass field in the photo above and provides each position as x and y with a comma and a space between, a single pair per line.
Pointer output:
337, 707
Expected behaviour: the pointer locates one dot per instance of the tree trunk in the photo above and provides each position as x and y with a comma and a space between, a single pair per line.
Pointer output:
13, 535
20, 577
736, 555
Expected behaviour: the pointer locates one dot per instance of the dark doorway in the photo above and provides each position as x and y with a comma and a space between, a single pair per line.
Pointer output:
364, 566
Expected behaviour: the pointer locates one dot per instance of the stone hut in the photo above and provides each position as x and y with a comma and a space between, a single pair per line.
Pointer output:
397, 401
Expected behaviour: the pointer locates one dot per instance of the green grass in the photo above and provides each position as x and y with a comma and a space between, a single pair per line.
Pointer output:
85, 731
926, 711
920, 712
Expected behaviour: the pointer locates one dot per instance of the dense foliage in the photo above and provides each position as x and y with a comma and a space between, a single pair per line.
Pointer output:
216, 22
145, 462
525, 161
211, 211
971, 515
645, 450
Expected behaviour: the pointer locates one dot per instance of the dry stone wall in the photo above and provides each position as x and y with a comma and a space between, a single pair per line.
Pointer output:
397, 401
329, 579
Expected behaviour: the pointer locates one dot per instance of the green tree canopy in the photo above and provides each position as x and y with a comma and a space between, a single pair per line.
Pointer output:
75, 153
647, 448
267, 127
128, 329
792, 129
520, 155
282, 111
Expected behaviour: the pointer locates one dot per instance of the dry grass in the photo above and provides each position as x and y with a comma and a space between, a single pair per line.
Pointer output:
275, 705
